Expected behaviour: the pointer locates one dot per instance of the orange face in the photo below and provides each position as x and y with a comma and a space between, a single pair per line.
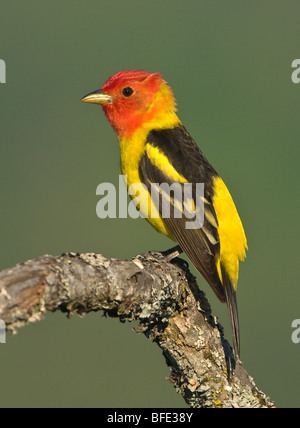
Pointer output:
129, 99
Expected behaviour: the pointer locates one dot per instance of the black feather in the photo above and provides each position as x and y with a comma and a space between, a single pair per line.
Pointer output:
201, 245
233, 310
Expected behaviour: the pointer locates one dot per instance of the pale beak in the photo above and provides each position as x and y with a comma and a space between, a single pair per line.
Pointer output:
97, 97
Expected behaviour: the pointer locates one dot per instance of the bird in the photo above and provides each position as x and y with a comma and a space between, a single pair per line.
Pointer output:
156, 148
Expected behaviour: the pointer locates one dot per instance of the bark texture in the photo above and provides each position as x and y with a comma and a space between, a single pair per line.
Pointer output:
165, 299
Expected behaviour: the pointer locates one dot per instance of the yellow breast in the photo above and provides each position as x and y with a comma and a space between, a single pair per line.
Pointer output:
132, 149
131, 154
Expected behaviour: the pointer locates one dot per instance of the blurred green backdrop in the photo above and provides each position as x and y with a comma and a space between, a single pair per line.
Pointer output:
229, 64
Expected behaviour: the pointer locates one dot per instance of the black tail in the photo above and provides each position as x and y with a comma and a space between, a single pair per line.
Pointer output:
233, 311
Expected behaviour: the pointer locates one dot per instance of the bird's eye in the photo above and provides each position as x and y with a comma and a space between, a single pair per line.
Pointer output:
127, 92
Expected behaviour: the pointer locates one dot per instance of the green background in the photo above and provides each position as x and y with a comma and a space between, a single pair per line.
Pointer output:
229, 64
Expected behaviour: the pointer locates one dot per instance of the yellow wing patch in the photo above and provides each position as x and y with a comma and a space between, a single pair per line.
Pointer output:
158, 159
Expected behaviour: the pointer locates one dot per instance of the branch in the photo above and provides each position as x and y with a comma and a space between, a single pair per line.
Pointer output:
164, 297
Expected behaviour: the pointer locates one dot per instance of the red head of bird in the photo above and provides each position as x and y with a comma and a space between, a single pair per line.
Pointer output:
133, 98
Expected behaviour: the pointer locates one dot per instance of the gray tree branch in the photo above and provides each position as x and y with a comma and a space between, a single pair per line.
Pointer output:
163, 297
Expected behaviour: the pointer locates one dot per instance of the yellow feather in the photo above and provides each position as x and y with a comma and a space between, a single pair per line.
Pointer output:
162, 162
132, 150
233, 242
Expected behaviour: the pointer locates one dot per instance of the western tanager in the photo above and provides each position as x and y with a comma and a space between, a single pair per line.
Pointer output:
155, 149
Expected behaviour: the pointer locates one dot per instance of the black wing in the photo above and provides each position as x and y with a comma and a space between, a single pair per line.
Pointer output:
201, 245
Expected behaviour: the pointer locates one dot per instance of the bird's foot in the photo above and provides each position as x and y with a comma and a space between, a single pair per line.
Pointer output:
171, 253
